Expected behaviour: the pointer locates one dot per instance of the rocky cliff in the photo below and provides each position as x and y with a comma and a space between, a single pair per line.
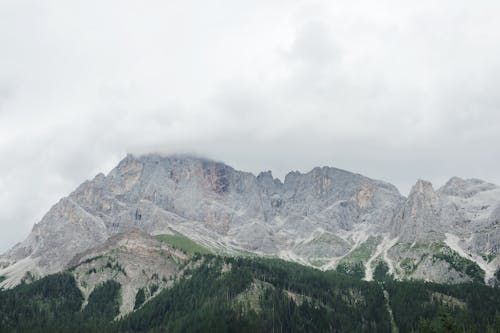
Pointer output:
321, 218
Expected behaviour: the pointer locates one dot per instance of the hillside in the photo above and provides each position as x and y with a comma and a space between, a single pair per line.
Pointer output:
252, 295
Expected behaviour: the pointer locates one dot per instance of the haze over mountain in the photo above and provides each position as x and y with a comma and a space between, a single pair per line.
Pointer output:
326, 218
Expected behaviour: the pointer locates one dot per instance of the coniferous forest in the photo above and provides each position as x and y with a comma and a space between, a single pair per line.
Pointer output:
255, 295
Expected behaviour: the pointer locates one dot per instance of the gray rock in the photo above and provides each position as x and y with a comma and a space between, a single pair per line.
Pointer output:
135, 260
321, 215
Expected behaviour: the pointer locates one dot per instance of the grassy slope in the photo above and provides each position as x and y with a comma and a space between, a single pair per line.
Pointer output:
353, 263
183, 243
363, 252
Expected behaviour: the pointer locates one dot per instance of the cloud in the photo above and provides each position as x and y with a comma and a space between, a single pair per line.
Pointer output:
391, 90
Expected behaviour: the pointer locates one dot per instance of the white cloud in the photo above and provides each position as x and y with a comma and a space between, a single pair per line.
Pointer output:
394, 90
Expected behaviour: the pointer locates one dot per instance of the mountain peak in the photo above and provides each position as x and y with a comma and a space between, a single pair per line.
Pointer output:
422, 187
465, 188
158, 157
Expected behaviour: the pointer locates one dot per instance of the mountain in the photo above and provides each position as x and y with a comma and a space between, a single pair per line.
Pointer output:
327, 218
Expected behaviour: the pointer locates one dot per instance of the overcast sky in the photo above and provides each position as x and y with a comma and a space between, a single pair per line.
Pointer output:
395, 90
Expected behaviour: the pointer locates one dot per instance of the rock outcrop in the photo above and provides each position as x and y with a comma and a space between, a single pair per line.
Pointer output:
134, 259
316, 218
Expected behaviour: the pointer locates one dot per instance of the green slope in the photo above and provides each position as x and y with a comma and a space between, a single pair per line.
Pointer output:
183, 243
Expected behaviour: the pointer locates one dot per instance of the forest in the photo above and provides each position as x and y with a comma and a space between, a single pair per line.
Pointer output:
221, 294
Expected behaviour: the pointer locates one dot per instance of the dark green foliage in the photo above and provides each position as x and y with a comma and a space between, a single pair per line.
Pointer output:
470, 307
46, 305
489, 257
28, 278
206, 302
53, 304
104, 302
380, 272
86, 261
497, 274
153, 289
115, 267
355, 269
461, 264
2, 278
444, 323
201, 303
254, 295
140, 297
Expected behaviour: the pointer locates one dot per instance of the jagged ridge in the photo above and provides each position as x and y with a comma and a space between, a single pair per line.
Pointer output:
317, 218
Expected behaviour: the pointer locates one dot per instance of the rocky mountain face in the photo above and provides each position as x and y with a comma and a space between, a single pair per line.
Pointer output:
454, 227
322, 218
134, 259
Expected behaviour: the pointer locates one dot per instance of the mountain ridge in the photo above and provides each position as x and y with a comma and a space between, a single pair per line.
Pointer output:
318, 218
